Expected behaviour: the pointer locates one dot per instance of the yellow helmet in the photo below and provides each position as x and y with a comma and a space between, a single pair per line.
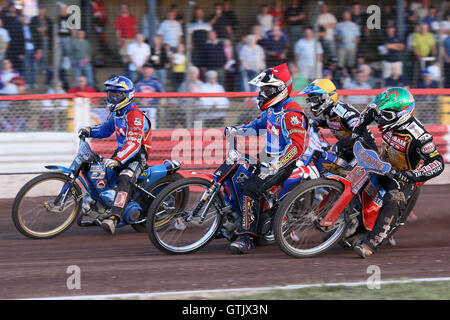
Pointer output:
322, 95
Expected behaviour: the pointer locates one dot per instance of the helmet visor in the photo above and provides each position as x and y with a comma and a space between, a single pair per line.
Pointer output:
115, 96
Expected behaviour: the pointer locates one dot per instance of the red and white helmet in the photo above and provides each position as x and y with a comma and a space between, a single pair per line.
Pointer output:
275, 86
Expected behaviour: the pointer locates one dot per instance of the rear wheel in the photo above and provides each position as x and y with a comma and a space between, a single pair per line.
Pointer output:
46, 206
145, 201
174, 222
297, 222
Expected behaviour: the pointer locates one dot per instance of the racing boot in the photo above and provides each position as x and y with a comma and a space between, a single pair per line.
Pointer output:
243, 244
109, 225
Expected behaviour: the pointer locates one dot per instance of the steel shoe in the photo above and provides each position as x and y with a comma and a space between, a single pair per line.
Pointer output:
363, 250
109, 225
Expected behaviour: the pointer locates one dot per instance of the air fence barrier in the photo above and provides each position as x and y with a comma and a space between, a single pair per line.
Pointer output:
36, 130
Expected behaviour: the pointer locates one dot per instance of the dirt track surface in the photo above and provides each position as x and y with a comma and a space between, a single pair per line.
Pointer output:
128, 263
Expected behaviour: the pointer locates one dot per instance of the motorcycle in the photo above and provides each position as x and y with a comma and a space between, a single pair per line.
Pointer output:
321, 213
189, 213
50, 203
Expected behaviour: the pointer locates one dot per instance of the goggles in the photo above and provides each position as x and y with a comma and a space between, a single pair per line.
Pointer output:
115, 96
267, 91
388, 115
315, 99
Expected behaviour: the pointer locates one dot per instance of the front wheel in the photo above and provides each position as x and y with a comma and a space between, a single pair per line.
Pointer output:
46, 206
297, 222
178, 222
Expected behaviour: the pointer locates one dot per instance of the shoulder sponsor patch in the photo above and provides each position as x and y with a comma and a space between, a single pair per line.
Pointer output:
138, 122
415, 130
339, 110
428, 148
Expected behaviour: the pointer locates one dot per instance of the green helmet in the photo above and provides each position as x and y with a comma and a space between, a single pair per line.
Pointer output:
395, 106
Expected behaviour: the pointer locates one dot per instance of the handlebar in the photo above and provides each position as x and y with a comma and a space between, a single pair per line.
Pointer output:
238, 156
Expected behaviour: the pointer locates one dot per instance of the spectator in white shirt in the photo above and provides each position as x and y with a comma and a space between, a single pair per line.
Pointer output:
138, 54
265, 20
4, 40
328, 21
171, 30
253, 61
215, 117
308, 55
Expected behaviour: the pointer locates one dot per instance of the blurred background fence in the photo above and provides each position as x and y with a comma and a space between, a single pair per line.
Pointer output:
37, 130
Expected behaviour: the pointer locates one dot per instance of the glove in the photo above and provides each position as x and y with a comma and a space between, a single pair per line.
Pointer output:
313, 123
232, 131
266, 170
84, 132
404, 176
111, 163
316, 155
354, 136
335, 149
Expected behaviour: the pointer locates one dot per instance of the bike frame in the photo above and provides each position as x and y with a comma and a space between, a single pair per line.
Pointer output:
368, 163
101, 183
231, 176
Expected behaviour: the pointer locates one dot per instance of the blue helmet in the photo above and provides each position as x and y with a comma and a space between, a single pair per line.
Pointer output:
120, 92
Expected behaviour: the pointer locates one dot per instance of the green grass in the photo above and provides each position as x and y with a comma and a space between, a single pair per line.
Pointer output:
407, 291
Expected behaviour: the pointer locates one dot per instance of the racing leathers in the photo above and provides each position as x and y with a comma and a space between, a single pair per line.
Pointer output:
341, 120
285, 127
133, 133
404, 148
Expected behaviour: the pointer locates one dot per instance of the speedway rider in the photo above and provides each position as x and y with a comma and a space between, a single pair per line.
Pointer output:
285, 125
405, 142
133, 133
338, 116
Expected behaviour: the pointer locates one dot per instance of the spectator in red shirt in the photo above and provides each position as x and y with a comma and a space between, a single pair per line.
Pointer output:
278, 13
82, 86
125, 30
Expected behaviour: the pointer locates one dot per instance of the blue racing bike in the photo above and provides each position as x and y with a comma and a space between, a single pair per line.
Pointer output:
50, 203
189, 213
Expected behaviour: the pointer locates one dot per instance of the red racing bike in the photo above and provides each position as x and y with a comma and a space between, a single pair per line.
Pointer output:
320, 213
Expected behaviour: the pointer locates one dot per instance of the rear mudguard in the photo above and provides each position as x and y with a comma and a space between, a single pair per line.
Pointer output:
154, 173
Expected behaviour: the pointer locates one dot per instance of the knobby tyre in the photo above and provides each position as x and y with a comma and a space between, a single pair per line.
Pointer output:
36, 212
296, 224
172, 226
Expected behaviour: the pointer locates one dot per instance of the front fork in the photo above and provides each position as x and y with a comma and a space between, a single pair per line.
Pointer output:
60, 200
208, 196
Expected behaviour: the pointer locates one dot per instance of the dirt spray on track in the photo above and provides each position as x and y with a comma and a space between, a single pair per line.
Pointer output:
128, 263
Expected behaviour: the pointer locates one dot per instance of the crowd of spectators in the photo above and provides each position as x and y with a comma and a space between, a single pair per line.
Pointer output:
340, 47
